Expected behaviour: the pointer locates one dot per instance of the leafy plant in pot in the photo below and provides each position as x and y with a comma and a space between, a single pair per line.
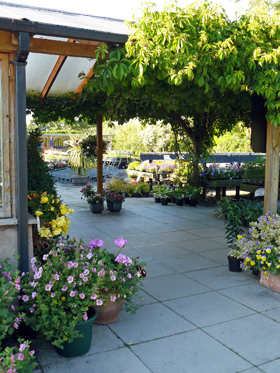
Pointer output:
95, 200
78, 161
179, 194
57, 298
118, 282
156, 193
193, 193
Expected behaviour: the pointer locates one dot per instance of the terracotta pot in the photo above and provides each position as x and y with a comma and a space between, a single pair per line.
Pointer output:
273, 282
109, 313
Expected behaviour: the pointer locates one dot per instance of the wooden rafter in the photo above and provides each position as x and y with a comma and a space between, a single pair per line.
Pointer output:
89, 75
54, 73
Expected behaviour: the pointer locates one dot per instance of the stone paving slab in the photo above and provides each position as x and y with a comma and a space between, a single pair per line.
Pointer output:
254, 337
152, 321
191, 352
208, 309
219, 278
121, 360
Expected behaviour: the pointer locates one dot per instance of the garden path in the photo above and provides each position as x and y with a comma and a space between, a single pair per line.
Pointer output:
195, 315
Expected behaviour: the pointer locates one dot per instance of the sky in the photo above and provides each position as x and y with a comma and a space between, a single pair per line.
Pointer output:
120, 9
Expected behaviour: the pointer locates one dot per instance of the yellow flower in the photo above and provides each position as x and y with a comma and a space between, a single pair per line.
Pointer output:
239, 236
57, 231
263, 258
278, 266
247, 260
62, 298
71, 211
252, 263
45, 232
38, 213
265, 273
268, 251
269, 264
258, 251
44, 199
258, 257
52, 208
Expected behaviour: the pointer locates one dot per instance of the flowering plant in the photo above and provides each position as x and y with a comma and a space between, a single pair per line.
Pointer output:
17, 359
59, 293
51, 212
113, 196
91, 196
261, 247
9, 289
120, 275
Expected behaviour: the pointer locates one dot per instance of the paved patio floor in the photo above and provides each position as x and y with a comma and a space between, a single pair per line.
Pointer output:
195, 315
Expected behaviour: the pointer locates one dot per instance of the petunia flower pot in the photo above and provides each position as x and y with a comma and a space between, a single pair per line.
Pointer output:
109, 313
164, 201
81, 345
96, 208
234, 264
114, 206
157, 200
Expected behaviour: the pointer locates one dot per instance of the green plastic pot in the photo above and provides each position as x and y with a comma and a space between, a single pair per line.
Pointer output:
81, 345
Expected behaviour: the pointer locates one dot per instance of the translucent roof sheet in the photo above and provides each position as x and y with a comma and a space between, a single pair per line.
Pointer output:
52, 17
40, 66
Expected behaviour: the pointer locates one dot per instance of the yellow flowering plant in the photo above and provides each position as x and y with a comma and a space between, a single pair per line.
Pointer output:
51, 212
261, 246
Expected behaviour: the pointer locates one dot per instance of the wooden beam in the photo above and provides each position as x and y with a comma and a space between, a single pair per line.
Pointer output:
53, 75
99, 155
271, 169
89, 75
63, 48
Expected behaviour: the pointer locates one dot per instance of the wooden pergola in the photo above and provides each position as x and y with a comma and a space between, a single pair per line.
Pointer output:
35, 33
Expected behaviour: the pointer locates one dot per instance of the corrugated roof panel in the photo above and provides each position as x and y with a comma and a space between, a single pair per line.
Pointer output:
60, 18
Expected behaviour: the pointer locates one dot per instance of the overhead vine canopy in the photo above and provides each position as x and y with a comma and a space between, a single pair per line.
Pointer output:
193, 68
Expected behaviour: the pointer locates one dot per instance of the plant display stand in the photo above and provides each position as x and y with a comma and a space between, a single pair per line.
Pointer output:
221, 185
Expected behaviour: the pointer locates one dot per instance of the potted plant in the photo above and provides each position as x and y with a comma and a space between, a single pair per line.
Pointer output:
193, 194
164, 194
156, 193
261, 249
145, 188
119, 281
95, 200
129, 190
78, 161
57, 298
133, 178
235, 260
179, 195
138, 190
114, 200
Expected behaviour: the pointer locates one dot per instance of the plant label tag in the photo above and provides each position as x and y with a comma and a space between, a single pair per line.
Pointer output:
138, 178
38, 222
259, 192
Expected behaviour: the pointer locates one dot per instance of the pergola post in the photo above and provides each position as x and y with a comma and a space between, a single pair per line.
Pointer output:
99, 155
271, 169
22, 207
